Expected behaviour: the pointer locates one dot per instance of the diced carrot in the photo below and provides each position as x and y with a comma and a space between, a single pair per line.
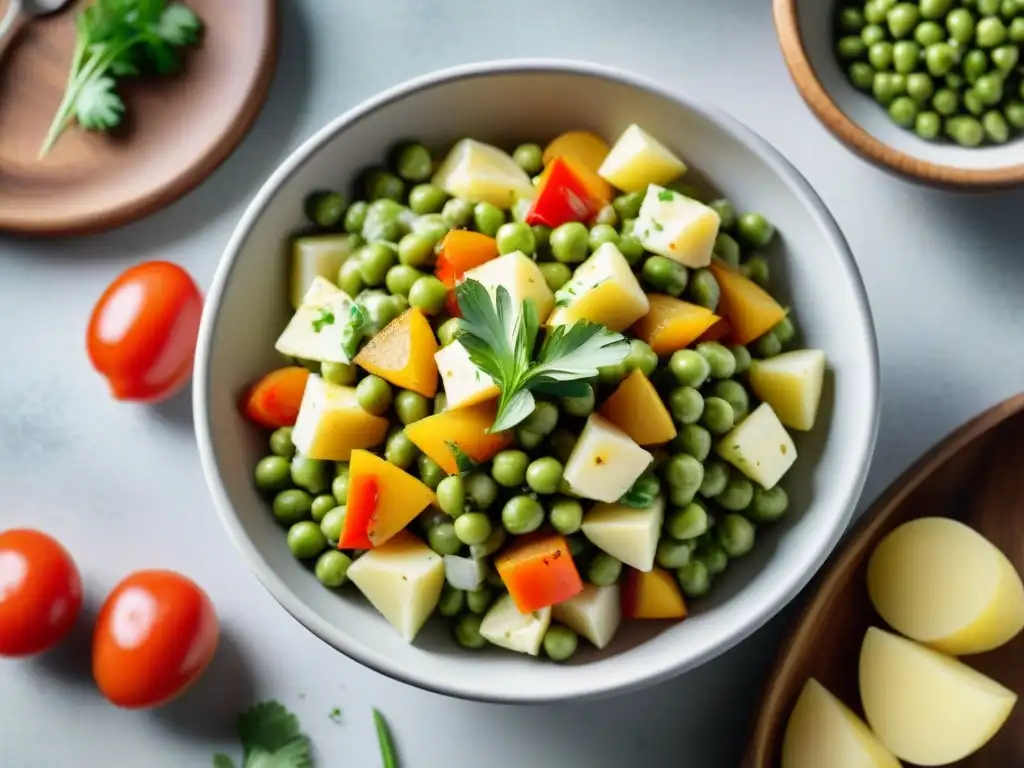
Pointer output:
750, 310
671, 324
538, 572
363, 494
651, 595
274, 400
462, 250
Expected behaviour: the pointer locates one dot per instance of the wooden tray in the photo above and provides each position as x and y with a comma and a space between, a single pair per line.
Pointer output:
176, 131
976, 475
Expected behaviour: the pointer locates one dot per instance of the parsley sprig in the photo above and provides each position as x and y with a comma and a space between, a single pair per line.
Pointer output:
271, 738
119, 38
501, 340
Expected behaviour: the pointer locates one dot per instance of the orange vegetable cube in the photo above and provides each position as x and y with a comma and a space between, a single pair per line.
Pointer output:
720, 331
462, 250
274, 400
672, 324
465, 428
651, 595
538, 572
750, 310
589, 148
636, 408
568, 191
403, 353
400, 497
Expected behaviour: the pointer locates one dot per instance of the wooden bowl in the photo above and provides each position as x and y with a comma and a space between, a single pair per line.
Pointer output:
975, 475
806, 34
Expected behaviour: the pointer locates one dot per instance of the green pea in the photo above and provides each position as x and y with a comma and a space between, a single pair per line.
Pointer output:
451, 495
928, 125
373, 395
672, 554
850, 47
965, 131
521, 515
990, 32
756, 268
903, 111
467, 632
611, 375
311, 474
333, 524
631, 248
555, 274
321, 506
990, 88
755, 229
875, 10
341, 374
727, 249
928, 33
871, 34
426, 198
604, 570
640, 358
665, 275
383, 185
880, 55
413, 163
447, 331
442, 539
1005, 57
768, 506
973, 102
735, 394
400, 278
451, 601
480, 599
543, 419
1016, 33
306, 540
742, 357
861, 75
602, 234
400, 450
687, 190
349, 279
945, 102
680, 497
721, 362
570, 243
686, 405
736, 535
851, 20
487, 218
738, 493
628, 206
527, 439
689, 368
768, 345
457, 212
902, 19
905, 55
411, 406
566, 516
560, 643
375, 259
719, 416
694, 440
529, 157
332, 568
694, 579
578, 546
339, 487
726, 212
472, 528
563, 441
996, 128
935, 9
481, 490
955, 81
508, 468
712, 555
281, 442
988, 7
688, 522
355, 216
1015, 114
428, 294
883, 89
325, 209
974, 64
544, 474
683, 471
273, 473
960, 25
704, 290
939, 58
516, 236
430, 471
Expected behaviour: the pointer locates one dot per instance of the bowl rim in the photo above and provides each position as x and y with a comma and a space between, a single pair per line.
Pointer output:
864, 144
586, 686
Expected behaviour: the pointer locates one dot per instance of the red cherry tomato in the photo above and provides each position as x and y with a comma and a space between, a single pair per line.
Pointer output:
40, 592
155, 635
142, 333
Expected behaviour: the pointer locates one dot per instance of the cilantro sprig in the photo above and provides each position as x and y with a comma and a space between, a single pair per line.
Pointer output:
271, 738
119, 38
501, 340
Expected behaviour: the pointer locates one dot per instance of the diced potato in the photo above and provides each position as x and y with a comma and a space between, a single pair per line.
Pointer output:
316, 256
588, 148
403, 353
759, 447
637, 409
791, 384
400, 496
605, 462
465, 428
943, 584
402, 579
520, 276
506, 627
750, 310
602, 290
677, 227
594, 613
626, 533
464, 572
317, 329
652, 594
822, 731
638, 159
672, 324
925, 707
464, 383
481, 173
331, 424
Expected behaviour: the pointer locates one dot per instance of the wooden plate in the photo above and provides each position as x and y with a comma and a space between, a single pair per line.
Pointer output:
176, 130
976, 475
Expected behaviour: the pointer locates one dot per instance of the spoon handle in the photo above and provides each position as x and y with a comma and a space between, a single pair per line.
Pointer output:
11, 24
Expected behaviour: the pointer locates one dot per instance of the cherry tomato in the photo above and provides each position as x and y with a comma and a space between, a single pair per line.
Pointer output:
40, 592
155, 635
142, 333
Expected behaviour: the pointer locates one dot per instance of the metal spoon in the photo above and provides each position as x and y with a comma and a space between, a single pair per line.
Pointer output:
20, 12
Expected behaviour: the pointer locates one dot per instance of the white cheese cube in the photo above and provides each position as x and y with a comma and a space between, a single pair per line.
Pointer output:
317, 330
759, 447
481, 173
313, 257
506, 627
626, 533
521, 277
464, 383
605, 462
677, 227
402, 579
602, 290
639, 159
464, 572
594, 613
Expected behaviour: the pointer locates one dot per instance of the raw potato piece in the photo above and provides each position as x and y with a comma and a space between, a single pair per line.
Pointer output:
605, 462
943, 584
464, 427
521, 277
822, 732
637, 409
313, 257
481, 173
760, 447
791, 384
331, 424
638, 159
626, 533
594, 613
403, 353
672, 324
317, 329
925, 707
464, 383
677, 227
602, 290
402, 579
506, 627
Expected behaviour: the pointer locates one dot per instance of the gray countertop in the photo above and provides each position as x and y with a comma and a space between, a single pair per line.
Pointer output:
122, 488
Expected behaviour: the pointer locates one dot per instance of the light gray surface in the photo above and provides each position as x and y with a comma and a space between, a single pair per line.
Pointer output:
121, 486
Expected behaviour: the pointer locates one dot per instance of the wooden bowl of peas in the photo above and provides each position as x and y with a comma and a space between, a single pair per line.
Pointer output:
932, 90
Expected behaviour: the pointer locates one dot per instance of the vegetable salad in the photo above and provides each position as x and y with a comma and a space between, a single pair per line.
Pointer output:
535, 393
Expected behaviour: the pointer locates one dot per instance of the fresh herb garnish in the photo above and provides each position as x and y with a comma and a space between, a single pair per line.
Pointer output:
644, 491
335, 714
501, 342
326, 317
657, 225
119, 38
271, 738
355, 328
387, 746
666, 195
464, 462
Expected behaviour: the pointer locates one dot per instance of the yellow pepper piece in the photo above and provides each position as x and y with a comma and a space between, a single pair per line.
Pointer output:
750, 310
463, 427
403, 353
636, 408
589, 148
400, 496
671, 324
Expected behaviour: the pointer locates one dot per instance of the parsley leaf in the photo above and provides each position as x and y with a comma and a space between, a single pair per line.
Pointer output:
326, 317
657, 225
98, 108
644, 491
355, 328
666, 196
178, 25
387, 745
501, 341
271, 738
463, 461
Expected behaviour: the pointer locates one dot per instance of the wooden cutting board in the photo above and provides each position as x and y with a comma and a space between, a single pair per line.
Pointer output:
176, 130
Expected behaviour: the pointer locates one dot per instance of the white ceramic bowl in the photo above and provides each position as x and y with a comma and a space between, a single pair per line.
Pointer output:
505, 103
